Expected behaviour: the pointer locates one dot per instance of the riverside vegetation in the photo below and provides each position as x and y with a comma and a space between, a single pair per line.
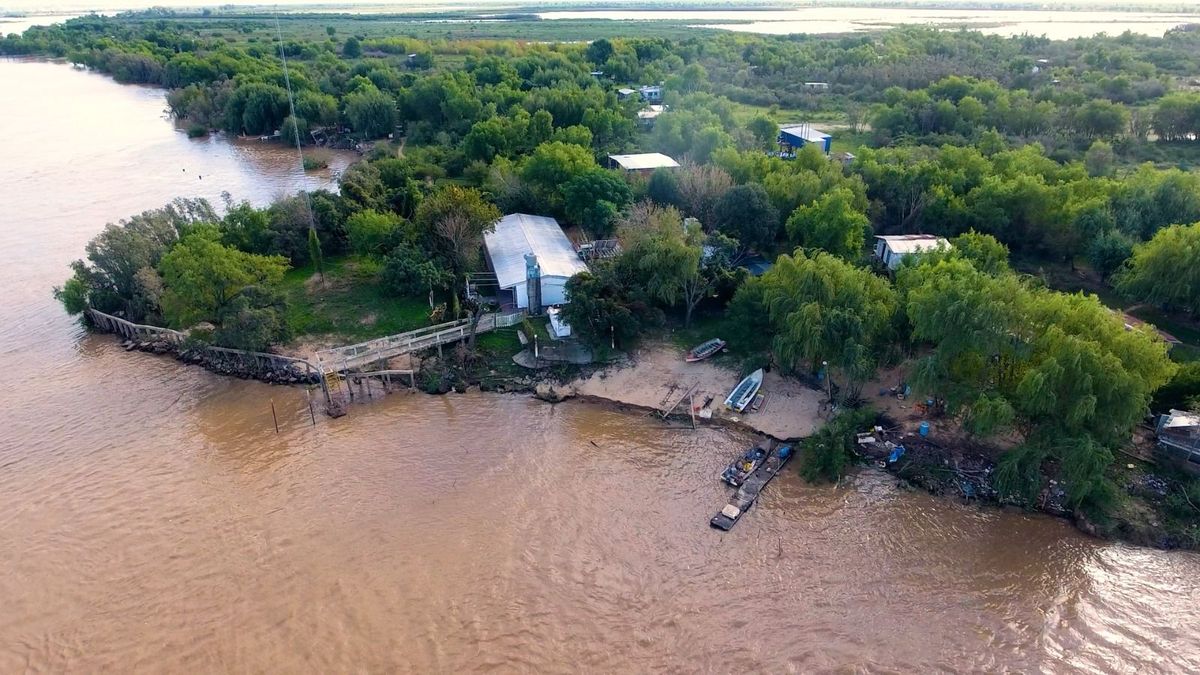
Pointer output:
1027, 153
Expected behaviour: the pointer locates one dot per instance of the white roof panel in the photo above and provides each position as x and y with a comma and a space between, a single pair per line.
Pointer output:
646, 160
911, 243
805, 131
519, 233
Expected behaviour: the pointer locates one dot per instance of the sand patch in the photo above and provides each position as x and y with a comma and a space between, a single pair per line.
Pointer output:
657, 375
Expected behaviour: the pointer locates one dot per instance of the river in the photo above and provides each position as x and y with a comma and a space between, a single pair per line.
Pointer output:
153, 520
1054, 24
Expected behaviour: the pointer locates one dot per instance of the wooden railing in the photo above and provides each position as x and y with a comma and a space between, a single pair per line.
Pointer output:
257, 361
354, 357
350, 358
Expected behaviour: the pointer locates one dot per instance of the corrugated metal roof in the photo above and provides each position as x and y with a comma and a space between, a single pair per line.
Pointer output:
804, 131
911, 243
647, 160
519, 233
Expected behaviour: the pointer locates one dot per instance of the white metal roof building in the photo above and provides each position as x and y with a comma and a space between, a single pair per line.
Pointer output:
647, 161
518, 234
891, 249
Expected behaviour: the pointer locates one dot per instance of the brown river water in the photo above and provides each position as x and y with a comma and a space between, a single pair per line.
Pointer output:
152, 520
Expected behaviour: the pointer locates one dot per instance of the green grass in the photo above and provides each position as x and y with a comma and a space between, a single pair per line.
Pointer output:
497, 348
351, 304
845, 140
1188, 333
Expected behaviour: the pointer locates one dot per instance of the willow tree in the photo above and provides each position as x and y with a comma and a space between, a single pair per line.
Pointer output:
1060, 370
823, 309
670, 262
1164, 270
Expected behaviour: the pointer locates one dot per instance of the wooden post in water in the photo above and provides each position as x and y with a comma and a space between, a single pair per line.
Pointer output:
308, 395
273, 416
692, 409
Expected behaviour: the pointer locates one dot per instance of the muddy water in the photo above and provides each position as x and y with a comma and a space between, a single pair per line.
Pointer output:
152, 520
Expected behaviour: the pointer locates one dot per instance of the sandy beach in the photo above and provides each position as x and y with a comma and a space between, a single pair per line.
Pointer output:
656, 376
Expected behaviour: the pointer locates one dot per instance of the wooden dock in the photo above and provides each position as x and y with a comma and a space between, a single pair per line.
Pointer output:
751, 488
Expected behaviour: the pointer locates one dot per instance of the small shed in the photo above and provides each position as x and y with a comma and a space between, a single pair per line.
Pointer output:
816, 86
652, 93
645, 162
524, 247
1179, 439
792, 137
891, 249
625, 93
650, 113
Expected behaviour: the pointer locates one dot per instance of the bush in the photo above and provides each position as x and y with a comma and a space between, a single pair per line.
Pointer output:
197, 131
827, 452
316, 159
369, 231
409, 272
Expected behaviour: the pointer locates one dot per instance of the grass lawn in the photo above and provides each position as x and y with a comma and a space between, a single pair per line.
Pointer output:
351, 304
498, 347
845, 140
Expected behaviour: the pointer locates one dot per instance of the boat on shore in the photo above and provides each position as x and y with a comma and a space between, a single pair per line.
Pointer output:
704, 350
743, 465
748, 493
744, 392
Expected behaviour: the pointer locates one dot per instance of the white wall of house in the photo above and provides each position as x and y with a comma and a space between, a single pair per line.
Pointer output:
553, 292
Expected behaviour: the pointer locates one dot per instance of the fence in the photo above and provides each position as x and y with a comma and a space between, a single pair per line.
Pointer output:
256, 362
329, 361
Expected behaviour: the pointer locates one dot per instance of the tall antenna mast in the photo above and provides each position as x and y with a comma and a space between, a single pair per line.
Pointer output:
287, 80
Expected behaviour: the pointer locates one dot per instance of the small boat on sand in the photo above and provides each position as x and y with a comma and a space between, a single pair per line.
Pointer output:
704, 350
744, 465
744, 392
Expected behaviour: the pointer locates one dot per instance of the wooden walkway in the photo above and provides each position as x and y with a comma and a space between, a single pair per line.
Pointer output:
353, 358
351, 361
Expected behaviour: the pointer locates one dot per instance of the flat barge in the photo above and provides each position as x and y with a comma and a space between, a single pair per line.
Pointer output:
748, 493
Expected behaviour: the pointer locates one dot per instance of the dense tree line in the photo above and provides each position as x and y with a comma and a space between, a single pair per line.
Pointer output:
971, 138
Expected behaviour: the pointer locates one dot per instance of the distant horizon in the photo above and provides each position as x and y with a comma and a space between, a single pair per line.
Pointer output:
25, 8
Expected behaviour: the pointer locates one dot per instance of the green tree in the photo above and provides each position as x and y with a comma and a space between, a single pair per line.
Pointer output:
452, 222
832, 224
352, 48
984, 251
254, 320
409, 272
1108, 252
203, 276
1099, 158
594, 198
1060, 370
294, 130
822, 309
745, 213
371, 112
1164, 270
828, 452
370, 231
764, 130
600, 308
551, 167
657, 252
599, 51
109, 277
256, 108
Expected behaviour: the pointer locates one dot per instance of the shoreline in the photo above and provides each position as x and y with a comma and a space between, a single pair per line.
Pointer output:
941, 464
